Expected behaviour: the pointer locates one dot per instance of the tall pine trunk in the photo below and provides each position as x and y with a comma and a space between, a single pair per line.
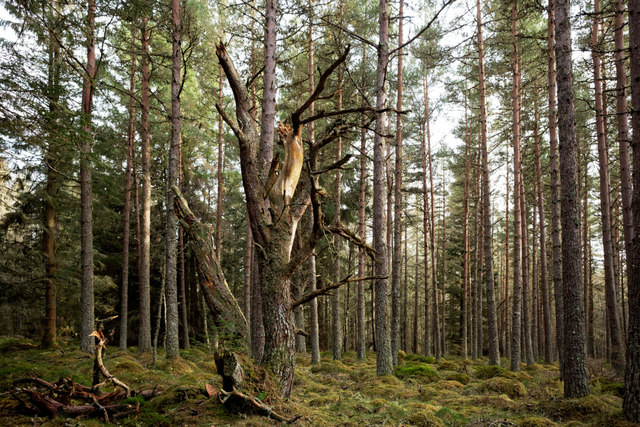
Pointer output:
397, 209
173, 341
492, 321
631, 404
516, 321
384, 362
426, 136
613, 312
144, 335
124, 292
576, 381
87, 342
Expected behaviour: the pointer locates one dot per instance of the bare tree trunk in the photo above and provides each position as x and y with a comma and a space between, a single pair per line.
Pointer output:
173, 340
526, 305
516, 322
49, 222
465, 233
507, 254
87, 324
544, 284
443, 347
613, 312
361, 346
144, 336
124, 292
397, 217
416, 292
555, 189
337, 335
384, 362
631, 404
492, 329
181, 264
623, 134
432, 246
426, 136
248, 257
219, 177
313, 305
575, 375
476, 323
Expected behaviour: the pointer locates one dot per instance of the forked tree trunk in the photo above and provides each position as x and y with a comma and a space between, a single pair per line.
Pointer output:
575, 374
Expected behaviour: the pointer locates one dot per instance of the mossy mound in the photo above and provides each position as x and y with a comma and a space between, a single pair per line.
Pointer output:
511, 388
451, 417
420, 371
485, 372
127, 364
330, 367
448, 365
449, 385
178, 366
175, 395
580, 408
534, 367
536, 422
608, 386
420, 358
433, 393
483, 403
425, 418
461, 377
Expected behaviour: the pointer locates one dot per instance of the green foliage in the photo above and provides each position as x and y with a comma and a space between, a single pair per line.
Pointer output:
425, 418
420, 371
451, 417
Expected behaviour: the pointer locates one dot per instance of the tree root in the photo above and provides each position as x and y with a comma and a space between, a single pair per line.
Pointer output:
240, 402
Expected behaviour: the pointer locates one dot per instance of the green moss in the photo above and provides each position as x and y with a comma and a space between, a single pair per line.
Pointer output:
451, 417
536, 422
425, 418
420, 358
330, 367
147, 414
608, 386
580, 408
449, 385
461, 377
447, 365
485, 372
420, 371
511, 388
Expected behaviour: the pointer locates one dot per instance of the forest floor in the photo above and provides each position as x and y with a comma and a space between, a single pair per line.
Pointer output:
423, 392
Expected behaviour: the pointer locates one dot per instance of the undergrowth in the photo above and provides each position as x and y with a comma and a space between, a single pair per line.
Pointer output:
422, 392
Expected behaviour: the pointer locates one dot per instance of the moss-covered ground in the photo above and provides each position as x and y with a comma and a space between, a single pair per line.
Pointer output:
422, 391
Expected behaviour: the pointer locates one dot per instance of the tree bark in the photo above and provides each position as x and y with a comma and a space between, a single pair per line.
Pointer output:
124, 292
613, 311
492, 321
313, 304
555, 189
144, 335
337, 333
361, 335
87, 343
173, 341
397, 209
49, 221
465, 233
544, 284
219, 177
384, 362
516, 321
425, 218
526, 295
631, 403
575, 374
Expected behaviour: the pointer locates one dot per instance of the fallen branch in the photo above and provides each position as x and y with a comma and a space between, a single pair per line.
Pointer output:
99, 368
322, 291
